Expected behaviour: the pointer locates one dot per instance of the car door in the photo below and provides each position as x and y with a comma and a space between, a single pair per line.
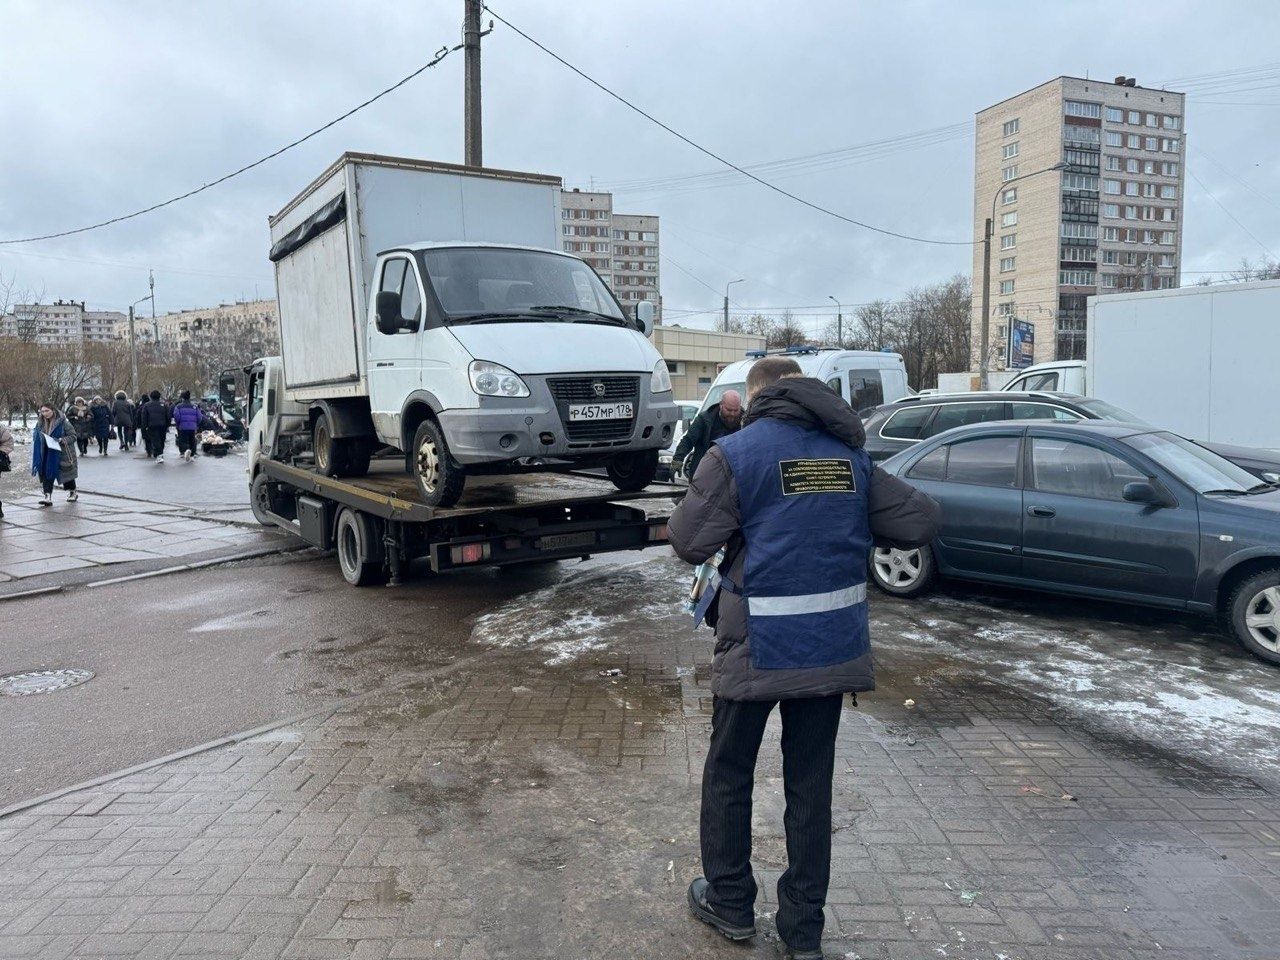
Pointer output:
1080, 533
395, 363
976, 480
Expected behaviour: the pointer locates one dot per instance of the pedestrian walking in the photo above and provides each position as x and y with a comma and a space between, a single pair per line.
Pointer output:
81, 422
122, 417
718, 420
797, 504
155, 425
101, 416
186, 418
53, 454
6, 454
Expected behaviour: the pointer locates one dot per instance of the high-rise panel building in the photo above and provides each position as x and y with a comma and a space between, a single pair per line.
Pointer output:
59, 323
1109, 220
622, 247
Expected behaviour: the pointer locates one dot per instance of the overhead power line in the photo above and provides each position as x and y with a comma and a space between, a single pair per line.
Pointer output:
717, 157
440, 55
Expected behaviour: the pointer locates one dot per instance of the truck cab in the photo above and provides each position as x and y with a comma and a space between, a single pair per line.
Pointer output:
864, 378
1058, 376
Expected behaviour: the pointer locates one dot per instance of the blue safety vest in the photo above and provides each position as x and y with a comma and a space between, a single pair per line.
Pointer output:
802, 496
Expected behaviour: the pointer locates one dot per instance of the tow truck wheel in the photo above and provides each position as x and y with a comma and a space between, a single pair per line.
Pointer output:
439, 479
360, 550
260, 499
903, 573
633, 471
1253, 612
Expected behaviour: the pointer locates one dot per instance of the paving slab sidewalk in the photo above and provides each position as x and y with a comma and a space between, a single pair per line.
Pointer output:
519, 807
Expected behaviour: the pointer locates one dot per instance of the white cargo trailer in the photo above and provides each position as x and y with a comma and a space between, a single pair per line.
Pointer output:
1200, 361
323, 274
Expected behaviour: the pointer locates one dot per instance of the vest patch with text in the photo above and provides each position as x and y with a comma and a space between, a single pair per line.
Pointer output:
817, 476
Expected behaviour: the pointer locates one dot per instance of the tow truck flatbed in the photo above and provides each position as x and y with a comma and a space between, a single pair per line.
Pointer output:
377, 523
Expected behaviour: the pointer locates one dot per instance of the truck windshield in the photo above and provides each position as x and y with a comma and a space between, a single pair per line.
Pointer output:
481, 283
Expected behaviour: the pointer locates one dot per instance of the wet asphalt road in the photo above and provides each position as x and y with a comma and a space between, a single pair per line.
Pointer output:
189, 658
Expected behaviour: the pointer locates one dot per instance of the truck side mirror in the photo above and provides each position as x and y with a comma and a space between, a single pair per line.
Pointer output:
227, 388
1142, 492
644, 316
387, 307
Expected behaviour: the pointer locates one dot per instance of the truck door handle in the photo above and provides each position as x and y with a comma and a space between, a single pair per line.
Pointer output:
1041, 512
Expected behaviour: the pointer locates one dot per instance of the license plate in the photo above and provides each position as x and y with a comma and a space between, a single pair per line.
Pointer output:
563, 541
599, 411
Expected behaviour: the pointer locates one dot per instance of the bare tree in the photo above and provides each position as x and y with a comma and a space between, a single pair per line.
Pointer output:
786, 333
1265, 269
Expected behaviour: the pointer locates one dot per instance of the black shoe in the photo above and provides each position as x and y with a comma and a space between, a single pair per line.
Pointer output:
790, 954
702, 910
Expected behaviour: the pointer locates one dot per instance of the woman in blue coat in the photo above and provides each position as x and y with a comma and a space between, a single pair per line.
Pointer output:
101, 414
53, 455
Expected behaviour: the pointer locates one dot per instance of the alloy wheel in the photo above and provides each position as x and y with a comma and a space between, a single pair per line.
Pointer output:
1262, 618
428, 465
897, 568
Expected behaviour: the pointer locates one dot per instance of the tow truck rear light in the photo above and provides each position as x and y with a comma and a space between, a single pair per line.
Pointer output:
469, 553
657, 532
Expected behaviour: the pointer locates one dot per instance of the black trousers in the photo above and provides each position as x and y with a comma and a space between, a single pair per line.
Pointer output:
156, 437
808, 763
187, 441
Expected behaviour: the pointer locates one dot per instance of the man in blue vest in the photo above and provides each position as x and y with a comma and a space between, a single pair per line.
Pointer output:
797, 504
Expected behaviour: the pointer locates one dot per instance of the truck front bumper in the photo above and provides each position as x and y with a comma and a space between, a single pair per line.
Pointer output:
503, 428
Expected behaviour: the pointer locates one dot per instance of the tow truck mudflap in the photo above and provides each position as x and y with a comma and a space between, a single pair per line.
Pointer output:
581, 540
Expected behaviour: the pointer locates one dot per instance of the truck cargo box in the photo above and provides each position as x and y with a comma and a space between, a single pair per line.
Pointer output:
326, 239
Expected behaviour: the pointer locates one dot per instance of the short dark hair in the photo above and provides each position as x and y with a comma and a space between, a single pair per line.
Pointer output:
155, 394
767, 371
185, 395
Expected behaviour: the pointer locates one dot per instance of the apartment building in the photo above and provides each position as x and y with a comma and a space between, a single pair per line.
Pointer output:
622, 247
1109, 220
59, 323
252, 320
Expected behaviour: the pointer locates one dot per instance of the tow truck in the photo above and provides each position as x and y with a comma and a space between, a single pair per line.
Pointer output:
378, 524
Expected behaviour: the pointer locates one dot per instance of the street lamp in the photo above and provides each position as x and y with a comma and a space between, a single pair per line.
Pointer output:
984, 362
133, 340
839, 321
726, 302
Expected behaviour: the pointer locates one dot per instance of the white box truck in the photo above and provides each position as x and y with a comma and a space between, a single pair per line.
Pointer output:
425, 309
1201, 361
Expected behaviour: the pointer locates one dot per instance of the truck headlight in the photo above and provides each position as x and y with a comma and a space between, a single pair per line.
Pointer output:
495, 380
661, 381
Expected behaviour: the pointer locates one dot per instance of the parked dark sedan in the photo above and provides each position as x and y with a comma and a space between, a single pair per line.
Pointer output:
893, 427
1099, 509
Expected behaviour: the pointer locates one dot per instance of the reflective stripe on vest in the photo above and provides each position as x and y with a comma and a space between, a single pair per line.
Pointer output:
807, 602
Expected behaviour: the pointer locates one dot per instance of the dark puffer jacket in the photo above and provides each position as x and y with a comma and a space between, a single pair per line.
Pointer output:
709, 517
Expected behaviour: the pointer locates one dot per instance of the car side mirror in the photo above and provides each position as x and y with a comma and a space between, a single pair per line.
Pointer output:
1271, 477
644, 316
1142, 492
387, 307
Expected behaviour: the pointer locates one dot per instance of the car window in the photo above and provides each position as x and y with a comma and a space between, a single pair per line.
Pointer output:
1041, 411
932, 466
988, 461
719, 390
958, 414
834, 384
1037, 381
865, 389
410, 300
906, 424
1079, 470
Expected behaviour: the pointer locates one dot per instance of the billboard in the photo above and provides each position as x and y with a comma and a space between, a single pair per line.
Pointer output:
1022, 344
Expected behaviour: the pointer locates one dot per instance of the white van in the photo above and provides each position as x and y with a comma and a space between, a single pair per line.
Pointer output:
1057, 376
865, 378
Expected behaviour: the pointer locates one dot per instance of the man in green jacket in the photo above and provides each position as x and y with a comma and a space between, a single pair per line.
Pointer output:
718, 420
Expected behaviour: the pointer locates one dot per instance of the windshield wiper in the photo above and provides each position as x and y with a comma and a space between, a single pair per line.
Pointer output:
579, 311
497, 317
1227, 492
1262, 487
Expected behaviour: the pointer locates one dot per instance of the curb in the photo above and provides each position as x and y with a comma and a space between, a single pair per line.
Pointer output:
198, 565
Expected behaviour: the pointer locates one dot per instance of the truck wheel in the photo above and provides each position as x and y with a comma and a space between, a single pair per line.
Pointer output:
902, 573
439, 479
1253, 612
358, 454
330, 453
360, 549
633, 471
260, 500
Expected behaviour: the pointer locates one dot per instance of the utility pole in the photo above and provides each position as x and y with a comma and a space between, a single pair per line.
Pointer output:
984, 342
133, 357
155, 327
726, 303
472, 146
839, 321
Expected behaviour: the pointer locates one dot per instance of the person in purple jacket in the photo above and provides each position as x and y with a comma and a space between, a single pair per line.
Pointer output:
186, 417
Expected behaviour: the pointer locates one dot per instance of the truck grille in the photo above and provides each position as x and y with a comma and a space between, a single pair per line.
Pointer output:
567, 390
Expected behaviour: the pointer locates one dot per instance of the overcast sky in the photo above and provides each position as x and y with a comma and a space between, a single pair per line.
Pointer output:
106, 107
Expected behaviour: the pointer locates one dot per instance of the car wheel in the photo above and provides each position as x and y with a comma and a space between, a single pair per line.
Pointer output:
633, 471
439, 479
360, 549
903, 573
260, 500
1254, 614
